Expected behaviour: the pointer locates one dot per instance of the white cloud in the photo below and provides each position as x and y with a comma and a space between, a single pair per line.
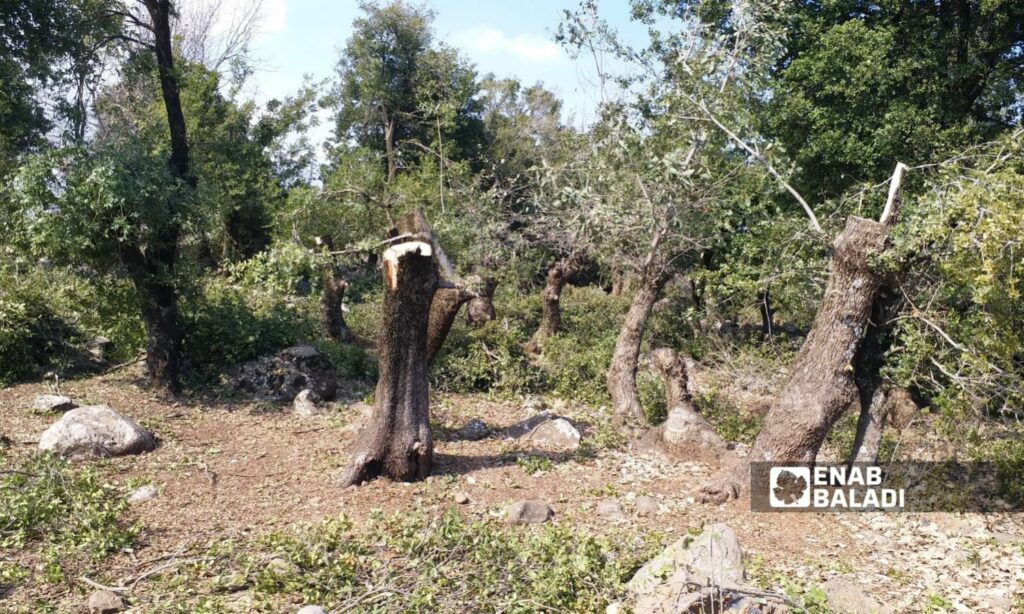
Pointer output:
490, 40
274, 16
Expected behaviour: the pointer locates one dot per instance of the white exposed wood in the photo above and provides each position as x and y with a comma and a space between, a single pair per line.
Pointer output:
895, 184
396, 252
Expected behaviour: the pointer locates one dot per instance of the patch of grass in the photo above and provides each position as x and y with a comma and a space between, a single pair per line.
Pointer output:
730, 421
532, 464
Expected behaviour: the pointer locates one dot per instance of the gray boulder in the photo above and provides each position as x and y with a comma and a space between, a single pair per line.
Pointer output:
647, 506
281, 377
555, 434
714, 557
474, 430
143, 494
105, 602
610, 508
96, 431
528, 512
56, 403
307, 403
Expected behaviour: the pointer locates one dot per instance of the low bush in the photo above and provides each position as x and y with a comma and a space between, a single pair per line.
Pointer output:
226, 324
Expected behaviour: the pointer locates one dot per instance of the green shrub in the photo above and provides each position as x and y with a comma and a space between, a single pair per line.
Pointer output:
279, 268
731, 422
227, 324
351, 360
48, 315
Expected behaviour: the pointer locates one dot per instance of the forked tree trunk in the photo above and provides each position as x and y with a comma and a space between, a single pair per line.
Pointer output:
397, 442
685, 434
558, 275
621, 376
481, 308
872, 391
443, 310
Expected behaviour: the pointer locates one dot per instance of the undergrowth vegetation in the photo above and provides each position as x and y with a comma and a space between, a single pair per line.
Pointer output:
417, 563
67, 516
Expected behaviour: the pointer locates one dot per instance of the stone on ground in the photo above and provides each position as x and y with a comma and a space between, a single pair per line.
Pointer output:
846, 597
142, 494
610, 508
704, 574
474, 430
555, 434
45, 403
105, 602
281, 377
528, 512
311, 609
96, 431
307, 403
646, 506
524, 427
461, 498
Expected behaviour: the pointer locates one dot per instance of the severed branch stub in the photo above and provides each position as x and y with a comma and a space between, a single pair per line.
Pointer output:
397, 443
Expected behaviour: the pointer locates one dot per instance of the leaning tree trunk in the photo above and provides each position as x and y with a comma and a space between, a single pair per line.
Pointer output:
397, 443
872, 391
558, 275
621, 376
481, 308
685, 434
443, 310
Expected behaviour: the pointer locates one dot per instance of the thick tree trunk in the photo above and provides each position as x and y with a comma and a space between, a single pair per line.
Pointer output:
821, 385
685, 434
397, 443
621, 376
767, 313
481, 308
443, 310
558, 275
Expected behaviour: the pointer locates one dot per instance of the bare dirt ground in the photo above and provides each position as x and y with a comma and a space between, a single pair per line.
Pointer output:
228, 469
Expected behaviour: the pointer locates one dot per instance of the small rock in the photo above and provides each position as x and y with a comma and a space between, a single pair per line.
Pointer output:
52, 403
528, 512
103, 602
610, 508
557, 434
647, 506
363, 409
474, 430
99, 348
307, 403
311, 609
846, 597
142, 494
96, 431
461, 498
526, 426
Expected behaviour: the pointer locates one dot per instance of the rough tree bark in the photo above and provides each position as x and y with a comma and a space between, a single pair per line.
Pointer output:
397, 442
481, 308
331, 300
551, 319
443, 310
821, 384
872, 391
621, 376
452, 292
685, 434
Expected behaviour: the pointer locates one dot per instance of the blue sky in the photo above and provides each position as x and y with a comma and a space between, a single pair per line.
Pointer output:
506, 37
